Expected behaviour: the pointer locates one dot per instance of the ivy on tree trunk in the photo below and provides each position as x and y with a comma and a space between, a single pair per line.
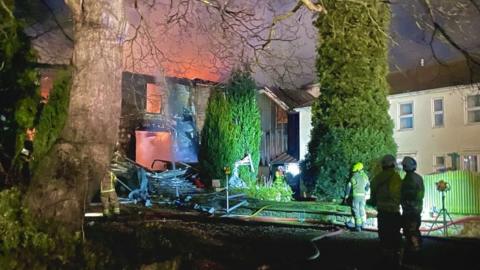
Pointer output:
70, 173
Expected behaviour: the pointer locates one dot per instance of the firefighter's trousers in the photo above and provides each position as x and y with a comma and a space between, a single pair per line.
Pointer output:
389, 224
411, 230
389, 230
358, 210
109, 202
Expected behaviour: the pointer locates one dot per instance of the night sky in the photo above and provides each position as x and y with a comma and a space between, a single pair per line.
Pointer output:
461, 22
411, 35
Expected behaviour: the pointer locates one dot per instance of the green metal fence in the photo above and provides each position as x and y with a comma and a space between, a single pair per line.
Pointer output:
463, 197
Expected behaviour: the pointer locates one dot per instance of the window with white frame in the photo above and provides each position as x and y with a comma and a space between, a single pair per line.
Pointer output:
439, 163
473, 109
470, 162
406, 115
438, 112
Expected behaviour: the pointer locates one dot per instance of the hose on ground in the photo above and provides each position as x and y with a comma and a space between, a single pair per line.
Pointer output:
458, 221
440, 227
316, 238
260, 210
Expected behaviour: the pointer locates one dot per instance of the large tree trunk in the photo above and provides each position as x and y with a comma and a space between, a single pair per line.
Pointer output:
70, 174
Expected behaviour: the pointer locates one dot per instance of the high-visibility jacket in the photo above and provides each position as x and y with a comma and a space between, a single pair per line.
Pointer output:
359, 184
108, 183
386, 191
413, 191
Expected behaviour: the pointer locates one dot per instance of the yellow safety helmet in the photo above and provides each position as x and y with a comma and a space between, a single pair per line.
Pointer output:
357, 167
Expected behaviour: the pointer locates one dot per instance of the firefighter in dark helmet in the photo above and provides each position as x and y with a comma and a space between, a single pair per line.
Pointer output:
386, 188
412, 194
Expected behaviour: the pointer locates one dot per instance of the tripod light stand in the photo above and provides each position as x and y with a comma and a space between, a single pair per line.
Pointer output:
443, 187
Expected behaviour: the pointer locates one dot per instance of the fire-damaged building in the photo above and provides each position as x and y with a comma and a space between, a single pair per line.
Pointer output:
286, 124
161, 118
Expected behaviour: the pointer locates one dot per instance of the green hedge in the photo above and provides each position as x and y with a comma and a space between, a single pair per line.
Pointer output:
350, 118
27, 243
18, 84
278, 191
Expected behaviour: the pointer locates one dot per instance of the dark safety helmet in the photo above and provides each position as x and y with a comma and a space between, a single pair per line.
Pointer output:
409, 164
388, 161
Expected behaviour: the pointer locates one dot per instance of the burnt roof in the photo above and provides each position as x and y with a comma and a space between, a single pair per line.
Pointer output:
293, 98
434, 76
175, 80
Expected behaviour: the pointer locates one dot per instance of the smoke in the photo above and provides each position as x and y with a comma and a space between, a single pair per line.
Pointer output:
188, 39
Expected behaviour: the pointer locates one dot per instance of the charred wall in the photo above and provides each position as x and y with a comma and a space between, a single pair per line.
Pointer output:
134, 87
186, 102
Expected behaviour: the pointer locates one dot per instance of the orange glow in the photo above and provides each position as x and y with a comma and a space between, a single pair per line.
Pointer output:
196, 69
46, 85
188, 65
188, 60
30, 134
153, 145
154, 99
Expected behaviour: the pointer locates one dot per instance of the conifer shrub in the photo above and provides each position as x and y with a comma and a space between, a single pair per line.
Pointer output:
216, 149
341, 149
241, 96
232, 129
350, 118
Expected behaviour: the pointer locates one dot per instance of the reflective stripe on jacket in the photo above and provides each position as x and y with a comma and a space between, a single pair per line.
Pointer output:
386, 191
359, 182
108, 183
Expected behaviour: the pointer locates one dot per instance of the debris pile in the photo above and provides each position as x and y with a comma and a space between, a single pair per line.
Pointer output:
170, 183
144, 183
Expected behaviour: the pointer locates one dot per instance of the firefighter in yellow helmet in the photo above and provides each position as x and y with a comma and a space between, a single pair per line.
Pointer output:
108, 195
358, 189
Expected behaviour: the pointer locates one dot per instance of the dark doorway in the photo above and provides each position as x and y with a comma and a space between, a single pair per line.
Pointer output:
293, 131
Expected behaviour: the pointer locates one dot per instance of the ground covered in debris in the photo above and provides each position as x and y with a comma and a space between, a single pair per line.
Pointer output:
167, 238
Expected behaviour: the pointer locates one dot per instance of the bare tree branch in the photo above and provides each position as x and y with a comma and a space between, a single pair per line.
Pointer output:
437, 28
452, 42
224, 34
